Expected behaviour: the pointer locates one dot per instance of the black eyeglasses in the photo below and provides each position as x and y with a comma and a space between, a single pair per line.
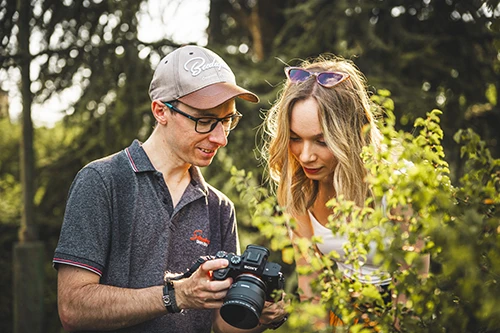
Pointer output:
326, 79
205, 125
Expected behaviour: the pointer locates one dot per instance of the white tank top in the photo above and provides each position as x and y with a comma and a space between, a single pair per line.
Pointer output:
368, 272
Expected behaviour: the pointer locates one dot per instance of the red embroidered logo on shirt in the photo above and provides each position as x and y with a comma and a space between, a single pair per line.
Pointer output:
200, 240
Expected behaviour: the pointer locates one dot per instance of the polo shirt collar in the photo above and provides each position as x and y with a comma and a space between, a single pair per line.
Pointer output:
197, 179
138, 159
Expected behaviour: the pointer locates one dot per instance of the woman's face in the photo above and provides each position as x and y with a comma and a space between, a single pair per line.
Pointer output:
307, 142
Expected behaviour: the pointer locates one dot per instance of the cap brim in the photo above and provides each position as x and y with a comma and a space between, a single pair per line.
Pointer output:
216, 94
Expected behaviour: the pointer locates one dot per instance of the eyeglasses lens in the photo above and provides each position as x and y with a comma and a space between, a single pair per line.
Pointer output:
298, 75
326, 79
206, 125
329, 79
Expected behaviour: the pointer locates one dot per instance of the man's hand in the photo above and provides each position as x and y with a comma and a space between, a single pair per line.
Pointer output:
274, 313
199, 291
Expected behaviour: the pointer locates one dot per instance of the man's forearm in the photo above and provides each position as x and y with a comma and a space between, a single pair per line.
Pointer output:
102, 307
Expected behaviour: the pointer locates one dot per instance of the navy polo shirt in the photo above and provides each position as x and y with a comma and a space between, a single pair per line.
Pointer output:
120, 223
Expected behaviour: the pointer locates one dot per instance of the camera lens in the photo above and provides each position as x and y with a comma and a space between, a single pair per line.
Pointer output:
244, 302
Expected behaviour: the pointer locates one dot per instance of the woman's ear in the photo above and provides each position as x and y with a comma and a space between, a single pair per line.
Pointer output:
160, 112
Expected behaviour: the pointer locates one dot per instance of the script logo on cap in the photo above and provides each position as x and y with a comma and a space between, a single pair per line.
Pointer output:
198, 64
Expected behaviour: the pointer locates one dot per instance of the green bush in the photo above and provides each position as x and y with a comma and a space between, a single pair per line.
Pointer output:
458, 224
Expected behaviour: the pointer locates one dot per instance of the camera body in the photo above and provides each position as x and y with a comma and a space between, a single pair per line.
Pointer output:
254, 282
253, 261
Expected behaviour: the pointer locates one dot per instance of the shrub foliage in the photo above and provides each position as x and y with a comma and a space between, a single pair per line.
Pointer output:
413, 202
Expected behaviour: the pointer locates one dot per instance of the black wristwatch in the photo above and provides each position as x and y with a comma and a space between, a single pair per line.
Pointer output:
277, 324
169, 297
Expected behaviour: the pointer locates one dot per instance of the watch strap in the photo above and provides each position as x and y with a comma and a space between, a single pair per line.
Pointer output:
277, 324
169, 297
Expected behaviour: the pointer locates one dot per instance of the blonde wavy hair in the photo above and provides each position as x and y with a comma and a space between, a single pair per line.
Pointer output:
348, 123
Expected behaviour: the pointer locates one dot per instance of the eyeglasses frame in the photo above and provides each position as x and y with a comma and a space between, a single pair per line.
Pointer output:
345, 76
196, 119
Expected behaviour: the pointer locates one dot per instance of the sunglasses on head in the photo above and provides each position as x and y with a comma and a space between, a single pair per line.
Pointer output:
326, 79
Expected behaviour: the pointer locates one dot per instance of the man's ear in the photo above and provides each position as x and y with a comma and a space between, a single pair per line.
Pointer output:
160, 112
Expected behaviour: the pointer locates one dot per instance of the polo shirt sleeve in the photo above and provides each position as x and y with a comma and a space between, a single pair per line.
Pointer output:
85, 233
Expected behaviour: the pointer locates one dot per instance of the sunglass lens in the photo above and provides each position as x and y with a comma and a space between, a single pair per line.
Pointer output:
329, 79
298, 75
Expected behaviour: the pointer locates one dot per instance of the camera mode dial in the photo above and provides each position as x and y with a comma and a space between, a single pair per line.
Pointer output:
221, 254
235, 260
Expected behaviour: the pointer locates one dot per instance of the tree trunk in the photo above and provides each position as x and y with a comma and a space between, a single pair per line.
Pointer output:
256, 32
27, 231
28, 253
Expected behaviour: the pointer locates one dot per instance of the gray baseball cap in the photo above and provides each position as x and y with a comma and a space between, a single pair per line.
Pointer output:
196, 77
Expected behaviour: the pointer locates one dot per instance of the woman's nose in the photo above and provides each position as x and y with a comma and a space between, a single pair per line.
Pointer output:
307, 154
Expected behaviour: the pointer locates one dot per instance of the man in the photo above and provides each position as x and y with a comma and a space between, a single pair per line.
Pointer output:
134, 215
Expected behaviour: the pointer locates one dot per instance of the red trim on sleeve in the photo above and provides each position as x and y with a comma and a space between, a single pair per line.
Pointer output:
77, 264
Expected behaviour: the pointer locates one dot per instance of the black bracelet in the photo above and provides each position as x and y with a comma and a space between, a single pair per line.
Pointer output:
169, 297
277, 324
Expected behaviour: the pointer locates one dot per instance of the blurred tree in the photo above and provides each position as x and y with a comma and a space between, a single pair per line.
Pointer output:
244, 32
91, 47
428, 53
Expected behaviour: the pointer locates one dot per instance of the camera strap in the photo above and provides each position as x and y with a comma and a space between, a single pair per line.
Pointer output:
193, 268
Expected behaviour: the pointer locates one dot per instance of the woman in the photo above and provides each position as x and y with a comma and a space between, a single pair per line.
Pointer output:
316, 132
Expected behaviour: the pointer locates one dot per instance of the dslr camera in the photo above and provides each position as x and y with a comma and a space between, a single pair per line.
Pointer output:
254, 281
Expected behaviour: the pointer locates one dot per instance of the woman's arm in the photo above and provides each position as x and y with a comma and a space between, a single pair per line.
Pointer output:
303, 230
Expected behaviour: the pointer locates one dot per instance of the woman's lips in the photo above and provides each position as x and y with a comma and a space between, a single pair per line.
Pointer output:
311, 171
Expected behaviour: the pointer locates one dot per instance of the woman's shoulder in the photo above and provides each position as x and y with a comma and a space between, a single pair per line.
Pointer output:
303, 227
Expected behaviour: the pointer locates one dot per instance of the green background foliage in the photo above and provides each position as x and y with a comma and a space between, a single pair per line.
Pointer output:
429, 54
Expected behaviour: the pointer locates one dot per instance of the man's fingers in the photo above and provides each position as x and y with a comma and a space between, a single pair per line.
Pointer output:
216, 296
212, 304
273, 312
212, 265
215, 285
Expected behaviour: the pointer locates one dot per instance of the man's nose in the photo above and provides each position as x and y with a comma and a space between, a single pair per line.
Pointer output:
219, 135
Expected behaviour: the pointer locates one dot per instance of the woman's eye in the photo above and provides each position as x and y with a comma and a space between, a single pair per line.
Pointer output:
321, 143
294, 139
